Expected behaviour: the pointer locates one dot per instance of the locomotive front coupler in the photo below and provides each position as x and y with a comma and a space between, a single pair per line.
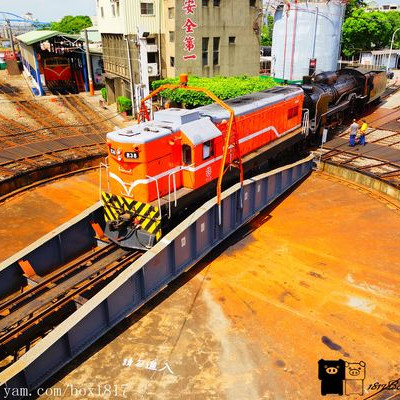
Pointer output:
125, 220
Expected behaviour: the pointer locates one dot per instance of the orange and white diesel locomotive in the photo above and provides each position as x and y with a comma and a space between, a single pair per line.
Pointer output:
161, 170
179, 154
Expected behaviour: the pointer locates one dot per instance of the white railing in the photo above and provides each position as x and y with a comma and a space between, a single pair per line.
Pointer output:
158, 195
105, 166
174, 183
306, 122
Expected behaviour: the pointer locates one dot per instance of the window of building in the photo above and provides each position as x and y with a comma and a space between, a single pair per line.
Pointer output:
171, 36
207, 149
293, 112
172, 61
171, 12
204, 3
151, 40
216, 51
232, 39
102, 12
146, 8
117, 6
97, 2
216, 3
113, 10
252, 3
186, 154
204, 51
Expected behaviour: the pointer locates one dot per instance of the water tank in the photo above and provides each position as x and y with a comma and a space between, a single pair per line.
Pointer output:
304, 32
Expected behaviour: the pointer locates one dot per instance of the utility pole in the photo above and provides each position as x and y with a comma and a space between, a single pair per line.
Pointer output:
143, 70
131, 77
390, 52
89, 64
11, 38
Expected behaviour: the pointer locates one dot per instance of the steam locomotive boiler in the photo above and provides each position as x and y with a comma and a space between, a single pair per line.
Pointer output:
331, 95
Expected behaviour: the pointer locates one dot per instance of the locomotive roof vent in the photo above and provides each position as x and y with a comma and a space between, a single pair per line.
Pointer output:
176, 116
148, 129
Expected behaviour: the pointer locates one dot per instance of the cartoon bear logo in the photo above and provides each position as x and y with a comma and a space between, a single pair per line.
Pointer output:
355, 375
331, 373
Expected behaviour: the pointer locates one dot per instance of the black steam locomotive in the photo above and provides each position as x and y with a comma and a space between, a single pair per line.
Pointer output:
329, 96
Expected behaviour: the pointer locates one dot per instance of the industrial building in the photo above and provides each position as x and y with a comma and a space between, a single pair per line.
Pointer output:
53, 61
56, 62
204, 38
380, 58
306, 38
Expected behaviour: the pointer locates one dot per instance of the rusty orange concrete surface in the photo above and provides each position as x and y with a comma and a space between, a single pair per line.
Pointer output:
315, 276
30, 215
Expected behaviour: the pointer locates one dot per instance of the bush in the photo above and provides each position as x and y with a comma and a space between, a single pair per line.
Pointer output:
222, 87
104, 93
124, 104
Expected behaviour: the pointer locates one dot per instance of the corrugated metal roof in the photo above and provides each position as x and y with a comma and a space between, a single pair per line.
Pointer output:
36, 36
33, 37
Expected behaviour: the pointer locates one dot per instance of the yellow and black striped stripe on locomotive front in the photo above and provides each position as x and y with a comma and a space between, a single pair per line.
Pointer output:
148, 216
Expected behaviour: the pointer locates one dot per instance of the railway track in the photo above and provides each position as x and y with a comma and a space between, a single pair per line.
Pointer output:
49, 140
379, 158
85, 113
50, 295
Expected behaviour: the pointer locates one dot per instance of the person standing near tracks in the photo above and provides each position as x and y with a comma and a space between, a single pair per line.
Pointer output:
363, 131
353, 133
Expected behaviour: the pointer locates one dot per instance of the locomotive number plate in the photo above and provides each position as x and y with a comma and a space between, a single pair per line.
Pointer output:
132, 155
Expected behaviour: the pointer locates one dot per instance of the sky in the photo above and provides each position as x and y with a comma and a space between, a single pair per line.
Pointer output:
49, 10
53, 10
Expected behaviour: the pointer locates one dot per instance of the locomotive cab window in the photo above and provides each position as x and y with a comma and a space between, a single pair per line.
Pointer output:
293, 112
186, 154
207, 150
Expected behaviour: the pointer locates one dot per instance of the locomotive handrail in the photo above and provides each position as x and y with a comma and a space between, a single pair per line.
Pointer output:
181, 168
105, 165
144, 115
306, 122
158, 196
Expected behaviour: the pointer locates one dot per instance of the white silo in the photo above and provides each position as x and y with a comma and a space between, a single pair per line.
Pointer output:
304, 31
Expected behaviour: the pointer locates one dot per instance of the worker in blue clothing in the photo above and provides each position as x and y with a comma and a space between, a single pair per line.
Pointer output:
353, 133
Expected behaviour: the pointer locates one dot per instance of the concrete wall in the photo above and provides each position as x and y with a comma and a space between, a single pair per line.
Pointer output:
107, 21
168, 45
233, 18
361, 179
127, 17
30, 67
134, 18
115, 58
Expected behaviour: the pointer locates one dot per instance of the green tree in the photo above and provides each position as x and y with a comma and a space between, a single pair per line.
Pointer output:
365, 31
71, 24
354, 5
266, 32
394, 19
